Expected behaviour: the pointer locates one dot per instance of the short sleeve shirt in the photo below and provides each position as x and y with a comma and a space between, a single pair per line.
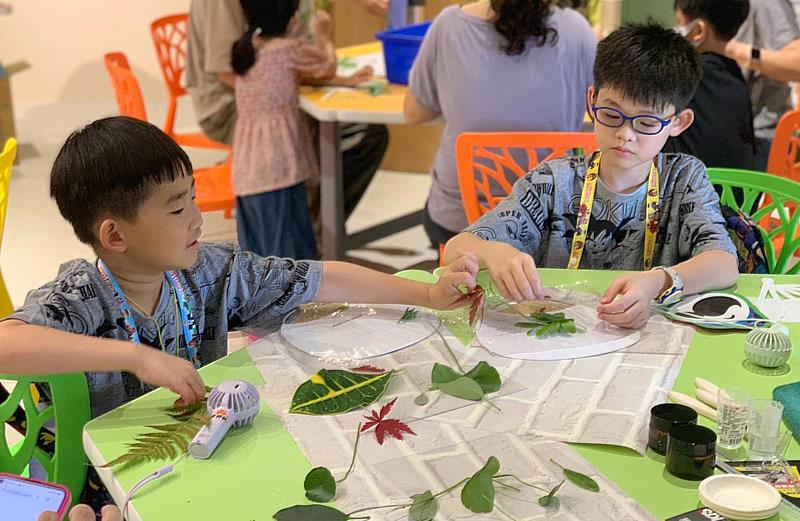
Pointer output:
539, 216
227, 288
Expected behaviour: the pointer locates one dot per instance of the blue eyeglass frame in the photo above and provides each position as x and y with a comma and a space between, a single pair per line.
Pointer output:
632, 119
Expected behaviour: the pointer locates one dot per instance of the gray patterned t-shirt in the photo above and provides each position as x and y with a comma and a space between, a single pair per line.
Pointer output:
540, 214
228, 288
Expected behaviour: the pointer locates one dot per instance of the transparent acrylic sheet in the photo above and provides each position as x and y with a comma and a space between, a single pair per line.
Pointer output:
413, 366
354, 331
499, 335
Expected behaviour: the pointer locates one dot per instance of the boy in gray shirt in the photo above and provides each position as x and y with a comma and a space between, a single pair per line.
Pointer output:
157, 304
625, 207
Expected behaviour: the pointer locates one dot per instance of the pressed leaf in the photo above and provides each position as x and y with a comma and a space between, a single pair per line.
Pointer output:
423, 507
333, 391
464, 388
392, 427
442, 374
320, 485
310, 513
478, 493
579, 479
582, 480
367, 369
546, 500
408, 315
486, 376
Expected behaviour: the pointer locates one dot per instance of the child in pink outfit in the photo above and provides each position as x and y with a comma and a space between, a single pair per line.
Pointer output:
273, 152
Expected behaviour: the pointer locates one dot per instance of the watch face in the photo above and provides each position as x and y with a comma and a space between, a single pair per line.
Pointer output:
755, 54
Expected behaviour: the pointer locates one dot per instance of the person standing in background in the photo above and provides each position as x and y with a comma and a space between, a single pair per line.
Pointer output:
767, 47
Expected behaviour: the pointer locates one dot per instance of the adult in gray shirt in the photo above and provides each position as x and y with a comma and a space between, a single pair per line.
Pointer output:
768, 48
504, 65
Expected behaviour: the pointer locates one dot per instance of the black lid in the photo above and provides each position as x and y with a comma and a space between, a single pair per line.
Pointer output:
691, 440
667, 415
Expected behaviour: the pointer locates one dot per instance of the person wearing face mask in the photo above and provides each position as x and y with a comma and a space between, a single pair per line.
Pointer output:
722, 134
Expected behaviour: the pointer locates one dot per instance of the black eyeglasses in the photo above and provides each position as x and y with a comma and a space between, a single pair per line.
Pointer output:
642, 124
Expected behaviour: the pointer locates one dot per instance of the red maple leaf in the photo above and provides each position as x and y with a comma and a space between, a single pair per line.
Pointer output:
476, 301
383, 426
368, 369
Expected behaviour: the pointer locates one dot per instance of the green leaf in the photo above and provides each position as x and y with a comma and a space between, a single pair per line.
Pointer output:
582, 480
333, 391
442, 374
310, 513
408, 315
320, 485
546, 500
478, 492
423, 507
486, 376
463, 387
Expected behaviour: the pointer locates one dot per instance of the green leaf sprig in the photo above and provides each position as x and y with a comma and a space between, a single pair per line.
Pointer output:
545, 324
477, 495
320, 485
408, 315
472, 385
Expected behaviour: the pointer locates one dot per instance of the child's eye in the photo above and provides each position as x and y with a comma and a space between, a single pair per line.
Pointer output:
177, 212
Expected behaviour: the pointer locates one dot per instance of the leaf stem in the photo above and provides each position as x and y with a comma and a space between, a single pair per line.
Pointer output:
355, 450
403, 505
445, 491
491, 404
519, 480
447, 346
504, 512
556, 463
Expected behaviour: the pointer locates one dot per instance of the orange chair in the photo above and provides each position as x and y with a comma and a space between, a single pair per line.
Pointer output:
212, 184
169, 37
783, 161
484, 160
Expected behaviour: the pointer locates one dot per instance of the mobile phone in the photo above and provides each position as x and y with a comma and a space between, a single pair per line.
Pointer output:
24, 499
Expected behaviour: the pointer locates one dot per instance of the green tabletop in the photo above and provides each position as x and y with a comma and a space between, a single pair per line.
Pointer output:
259, 469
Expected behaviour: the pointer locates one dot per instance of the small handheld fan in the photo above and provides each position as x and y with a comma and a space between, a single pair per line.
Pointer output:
232, 403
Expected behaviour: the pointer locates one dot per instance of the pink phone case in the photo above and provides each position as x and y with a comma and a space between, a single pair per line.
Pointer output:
62, 509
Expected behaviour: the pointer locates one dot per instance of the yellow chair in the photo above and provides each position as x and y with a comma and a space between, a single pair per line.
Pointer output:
6, 160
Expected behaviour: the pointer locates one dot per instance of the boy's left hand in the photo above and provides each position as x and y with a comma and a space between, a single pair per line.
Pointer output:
457, 275
626, 302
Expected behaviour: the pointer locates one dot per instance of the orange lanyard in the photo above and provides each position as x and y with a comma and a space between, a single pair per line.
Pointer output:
585, 212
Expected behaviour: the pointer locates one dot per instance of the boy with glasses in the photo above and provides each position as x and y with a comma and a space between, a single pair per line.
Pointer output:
624, 207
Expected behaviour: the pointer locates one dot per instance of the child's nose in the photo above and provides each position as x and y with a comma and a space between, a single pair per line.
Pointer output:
626, 132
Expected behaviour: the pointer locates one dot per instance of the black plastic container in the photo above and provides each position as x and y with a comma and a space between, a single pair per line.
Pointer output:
663, 418
691, 452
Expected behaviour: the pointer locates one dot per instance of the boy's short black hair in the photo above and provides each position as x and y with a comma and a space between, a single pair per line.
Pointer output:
649, 64
110, 167
725, 16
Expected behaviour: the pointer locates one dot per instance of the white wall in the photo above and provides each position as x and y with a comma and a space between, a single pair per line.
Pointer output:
64, 41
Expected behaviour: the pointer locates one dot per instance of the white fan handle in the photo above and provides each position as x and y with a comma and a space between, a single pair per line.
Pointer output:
207, 439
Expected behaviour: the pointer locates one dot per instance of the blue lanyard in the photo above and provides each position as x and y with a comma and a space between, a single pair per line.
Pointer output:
190, 333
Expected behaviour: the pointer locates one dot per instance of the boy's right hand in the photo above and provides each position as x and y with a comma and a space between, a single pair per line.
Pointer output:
176, 374
513, 272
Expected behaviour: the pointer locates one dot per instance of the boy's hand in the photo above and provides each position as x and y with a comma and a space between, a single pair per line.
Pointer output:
626, 302
176, 374
461, 273
321, 24
513, 272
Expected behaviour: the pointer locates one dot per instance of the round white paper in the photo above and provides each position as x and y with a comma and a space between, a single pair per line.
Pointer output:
498, 334
359, 332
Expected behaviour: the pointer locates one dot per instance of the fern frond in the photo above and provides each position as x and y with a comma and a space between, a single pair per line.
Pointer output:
167, 440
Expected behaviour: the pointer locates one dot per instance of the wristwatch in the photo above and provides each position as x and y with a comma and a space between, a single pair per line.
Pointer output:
755, 55
674, 292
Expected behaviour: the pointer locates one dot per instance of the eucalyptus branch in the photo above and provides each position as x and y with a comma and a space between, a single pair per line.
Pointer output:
367, 509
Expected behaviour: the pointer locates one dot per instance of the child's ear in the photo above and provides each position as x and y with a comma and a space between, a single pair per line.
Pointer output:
590, 97
110, 236
682, 122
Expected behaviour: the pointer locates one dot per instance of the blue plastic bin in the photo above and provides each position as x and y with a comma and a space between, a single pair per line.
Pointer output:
400, 48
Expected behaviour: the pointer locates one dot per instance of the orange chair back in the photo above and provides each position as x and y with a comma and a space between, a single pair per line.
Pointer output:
485, 160
126, 87
784, 155
169, 37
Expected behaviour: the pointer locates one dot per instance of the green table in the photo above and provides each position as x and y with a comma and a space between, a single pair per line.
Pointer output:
238, 482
